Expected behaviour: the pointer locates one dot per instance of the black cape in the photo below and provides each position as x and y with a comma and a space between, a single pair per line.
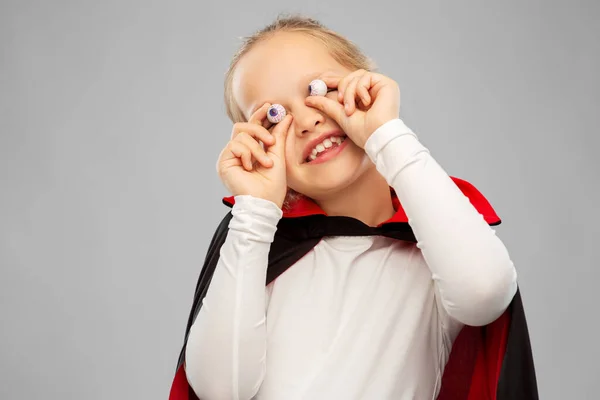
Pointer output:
493, 362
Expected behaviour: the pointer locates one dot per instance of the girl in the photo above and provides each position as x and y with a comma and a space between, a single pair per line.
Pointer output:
356, 315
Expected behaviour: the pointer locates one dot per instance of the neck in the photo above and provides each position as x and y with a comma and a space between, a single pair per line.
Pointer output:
368, 199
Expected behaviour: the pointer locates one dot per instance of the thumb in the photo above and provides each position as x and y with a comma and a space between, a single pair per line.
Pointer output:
330, 107
280, 133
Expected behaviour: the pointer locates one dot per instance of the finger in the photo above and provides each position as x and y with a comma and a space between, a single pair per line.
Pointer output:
363, 86
227, 158
242, 152
256, 131
256, 150
331, 81
343, 84
280, 132
329, 106
259, 117
350, 96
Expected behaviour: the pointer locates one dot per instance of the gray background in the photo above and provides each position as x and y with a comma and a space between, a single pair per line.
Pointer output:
111, 120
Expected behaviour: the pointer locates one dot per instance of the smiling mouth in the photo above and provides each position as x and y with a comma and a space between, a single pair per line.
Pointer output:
325, 147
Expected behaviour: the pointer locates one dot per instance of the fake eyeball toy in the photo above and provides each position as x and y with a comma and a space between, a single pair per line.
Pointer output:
317, 88
276, 113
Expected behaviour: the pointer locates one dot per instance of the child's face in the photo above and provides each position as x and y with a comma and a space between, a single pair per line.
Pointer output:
279, 70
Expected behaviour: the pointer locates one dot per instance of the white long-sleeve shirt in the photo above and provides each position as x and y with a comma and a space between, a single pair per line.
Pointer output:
357, 317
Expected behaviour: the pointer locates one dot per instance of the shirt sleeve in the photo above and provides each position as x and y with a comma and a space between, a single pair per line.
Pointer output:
474, 276
226, 348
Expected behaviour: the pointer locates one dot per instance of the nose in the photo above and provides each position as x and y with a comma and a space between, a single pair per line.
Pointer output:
306, 119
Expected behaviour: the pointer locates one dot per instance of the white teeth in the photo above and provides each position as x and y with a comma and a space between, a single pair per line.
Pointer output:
326, 144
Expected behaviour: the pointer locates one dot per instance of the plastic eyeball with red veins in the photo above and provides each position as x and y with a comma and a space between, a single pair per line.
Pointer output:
276, 113
317, 88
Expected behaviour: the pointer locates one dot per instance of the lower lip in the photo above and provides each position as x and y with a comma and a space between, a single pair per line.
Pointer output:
329, 154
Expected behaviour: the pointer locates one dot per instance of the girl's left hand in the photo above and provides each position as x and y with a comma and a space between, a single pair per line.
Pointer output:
366, 100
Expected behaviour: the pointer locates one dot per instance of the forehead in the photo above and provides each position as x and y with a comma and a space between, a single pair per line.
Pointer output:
278, 67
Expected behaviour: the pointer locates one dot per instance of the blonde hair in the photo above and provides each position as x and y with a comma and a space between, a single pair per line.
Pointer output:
341, 49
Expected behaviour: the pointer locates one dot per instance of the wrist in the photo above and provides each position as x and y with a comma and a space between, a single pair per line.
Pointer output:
385, 133
254, 220
376, 126
252, 201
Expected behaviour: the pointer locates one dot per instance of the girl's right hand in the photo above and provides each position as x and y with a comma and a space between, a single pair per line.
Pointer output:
246, 169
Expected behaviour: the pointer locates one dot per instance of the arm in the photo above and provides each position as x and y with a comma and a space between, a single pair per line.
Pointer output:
226, 348
471, 267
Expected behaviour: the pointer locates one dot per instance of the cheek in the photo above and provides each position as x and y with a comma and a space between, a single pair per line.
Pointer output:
291, 153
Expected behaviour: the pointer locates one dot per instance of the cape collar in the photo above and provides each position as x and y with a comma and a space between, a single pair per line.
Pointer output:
304, 207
